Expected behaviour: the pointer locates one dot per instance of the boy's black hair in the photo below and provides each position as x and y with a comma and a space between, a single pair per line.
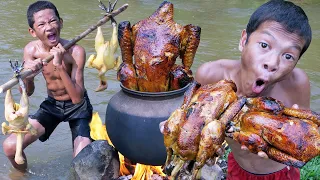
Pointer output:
38, 6
289, 15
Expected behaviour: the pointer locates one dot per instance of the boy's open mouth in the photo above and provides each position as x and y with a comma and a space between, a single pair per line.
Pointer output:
52, 37
258, 86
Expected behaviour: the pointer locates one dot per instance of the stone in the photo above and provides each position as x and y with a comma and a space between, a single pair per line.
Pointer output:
97, 161
213, 172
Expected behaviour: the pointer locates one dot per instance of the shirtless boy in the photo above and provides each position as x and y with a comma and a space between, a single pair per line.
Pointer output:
67, 99
277, 35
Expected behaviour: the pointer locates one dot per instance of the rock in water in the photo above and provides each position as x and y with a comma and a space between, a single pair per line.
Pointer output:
97, 161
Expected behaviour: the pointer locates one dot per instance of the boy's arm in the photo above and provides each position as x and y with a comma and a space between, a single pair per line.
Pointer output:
210, 72
74, 85
31, 63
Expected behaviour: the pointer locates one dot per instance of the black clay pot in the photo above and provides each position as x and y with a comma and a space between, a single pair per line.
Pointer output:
132, 121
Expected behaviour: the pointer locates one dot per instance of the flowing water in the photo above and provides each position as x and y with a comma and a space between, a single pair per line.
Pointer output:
221, 22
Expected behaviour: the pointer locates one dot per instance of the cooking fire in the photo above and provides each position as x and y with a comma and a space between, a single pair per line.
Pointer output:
128, 170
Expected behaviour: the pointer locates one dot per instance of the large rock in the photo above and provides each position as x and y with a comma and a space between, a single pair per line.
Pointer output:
97, 161
207, 172
211, 172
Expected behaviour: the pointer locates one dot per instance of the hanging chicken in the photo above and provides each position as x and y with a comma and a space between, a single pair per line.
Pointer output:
17, 117
150, 49
105, 57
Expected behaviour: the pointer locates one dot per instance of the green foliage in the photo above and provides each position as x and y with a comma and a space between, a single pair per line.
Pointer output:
311, 171
226, 153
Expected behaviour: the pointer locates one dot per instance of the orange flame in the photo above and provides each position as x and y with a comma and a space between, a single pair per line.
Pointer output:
98, 131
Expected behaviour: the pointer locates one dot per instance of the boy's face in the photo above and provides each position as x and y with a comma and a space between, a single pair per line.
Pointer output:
268, 56
46, 27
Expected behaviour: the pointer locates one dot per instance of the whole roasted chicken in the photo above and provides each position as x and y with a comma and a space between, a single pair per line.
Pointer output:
149, 50
289, 136
195, 132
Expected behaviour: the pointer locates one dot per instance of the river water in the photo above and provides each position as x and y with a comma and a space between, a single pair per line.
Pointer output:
221, 22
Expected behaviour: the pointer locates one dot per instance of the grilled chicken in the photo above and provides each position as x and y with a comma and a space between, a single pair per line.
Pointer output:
289, 136
150, 48
196, 130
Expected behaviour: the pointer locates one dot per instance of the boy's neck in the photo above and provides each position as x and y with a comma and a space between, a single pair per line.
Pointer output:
47, 48
236, 76
43, 46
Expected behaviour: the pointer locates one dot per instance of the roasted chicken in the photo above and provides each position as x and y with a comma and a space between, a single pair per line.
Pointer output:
17, 117
105, 59
196, 130
149, 50
289, 136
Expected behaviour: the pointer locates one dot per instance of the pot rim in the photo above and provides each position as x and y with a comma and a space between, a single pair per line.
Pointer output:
155, 94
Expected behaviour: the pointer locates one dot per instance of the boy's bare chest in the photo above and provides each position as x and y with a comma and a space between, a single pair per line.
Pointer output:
283, 95
51, 72
252, 162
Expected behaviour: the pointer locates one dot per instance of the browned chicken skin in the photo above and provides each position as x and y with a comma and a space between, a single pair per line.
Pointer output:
196, 131
155, 43
289, 136
206, 105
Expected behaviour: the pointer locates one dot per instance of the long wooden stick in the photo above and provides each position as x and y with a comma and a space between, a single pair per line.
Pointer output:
12, 82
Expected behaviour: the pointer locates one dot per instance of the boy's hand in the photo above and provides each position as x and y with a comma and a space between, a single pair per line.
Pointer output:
295, 106
161, 126
261, 153
58, 53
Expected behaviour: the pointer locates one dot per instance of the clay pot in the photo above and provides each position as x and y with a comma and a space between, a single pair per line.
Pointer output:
132, 121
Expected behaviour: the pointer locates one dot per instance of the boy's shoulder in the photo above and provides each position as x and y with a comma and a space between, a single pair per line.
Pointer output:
31, 48
299, 75
213, 71
32, 44
296, 79
297, 87
74, 49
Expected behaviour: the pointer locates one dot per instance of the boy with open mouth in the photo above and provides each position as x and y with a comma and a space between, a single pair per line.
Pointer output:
67, 99
277, 35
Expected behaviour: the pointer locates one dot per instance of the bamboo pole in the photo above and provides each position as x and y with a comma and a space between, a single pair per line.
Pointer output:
12, 82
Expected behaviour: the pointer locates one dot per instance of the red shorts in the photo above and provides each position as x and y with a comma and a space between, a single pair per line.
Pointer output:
235, 172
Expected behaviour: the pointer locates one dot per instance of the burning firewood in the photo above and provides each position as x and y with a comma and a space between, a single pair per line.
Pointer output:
98, 131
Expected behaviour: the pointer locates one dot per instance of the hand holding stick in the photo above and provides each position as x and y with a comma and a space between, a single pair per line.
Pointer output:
12, 82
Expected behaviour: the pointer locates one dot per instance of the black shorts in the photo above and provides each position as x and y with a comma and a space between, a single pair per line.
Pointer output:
52, 112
